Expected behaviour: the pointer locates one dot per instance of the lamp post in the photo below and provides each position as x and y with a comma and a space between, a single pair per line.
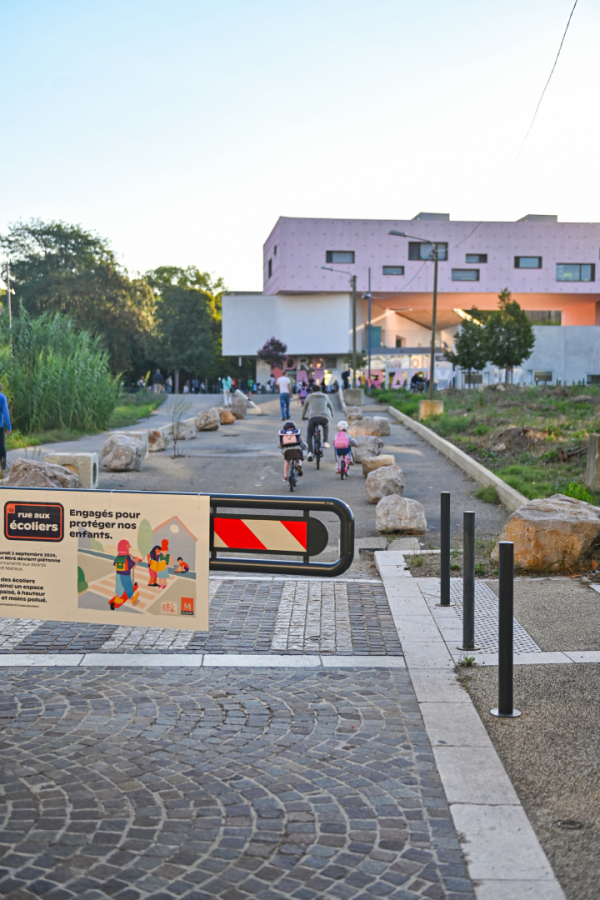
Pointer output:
367, 296
435, 257
353, 284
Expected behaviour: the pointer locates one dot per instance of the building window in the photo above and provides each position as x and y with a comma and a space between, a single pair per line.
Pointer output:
270, 268
340, 256
422, 250
544, 317
275, 250
393, 270
465, 274
400, 342
575, 272
476, 257
528, 262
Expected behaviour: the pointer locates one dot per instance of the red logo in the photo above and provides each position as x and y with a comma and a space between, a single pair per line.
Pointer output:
187, 606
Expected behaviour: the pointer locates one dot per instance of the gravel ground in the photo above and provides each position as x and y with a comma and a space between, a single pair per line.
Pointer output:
552, 756
559, 614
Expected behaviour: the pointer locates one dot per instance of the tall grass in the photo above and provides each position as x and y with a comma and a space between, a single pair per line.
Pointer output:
55, 376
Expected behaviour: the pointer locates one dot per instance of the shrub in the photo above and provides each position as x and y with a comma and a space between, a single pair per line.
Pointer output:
488, 494
578, 492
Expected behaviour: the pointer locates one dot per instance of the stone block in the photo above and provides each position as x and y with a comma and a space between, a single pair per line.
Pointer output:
85, 465
138, 436
396, 513
210, 419
122, 453
383, 424
429, 408
375, 462
158, 440
33, 473
366, 447
383, 482
226, 417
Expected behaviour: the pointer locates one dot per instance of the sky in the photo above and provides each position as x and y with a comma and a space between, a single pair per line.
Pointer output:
182, 129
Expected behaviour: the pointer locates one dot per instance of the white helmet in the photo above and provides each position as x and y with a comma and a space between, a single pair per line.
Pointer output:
342, 426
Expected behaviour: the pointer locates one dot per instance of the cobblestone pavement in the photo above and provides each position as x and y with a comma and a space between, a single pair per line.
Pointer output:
268, 615
195, 784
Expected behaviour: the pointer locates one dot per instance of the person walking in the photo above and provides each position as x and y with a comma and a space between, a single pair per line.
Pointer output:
169, 384
226, 385
319, 411
5, 427
158, 382
284, 387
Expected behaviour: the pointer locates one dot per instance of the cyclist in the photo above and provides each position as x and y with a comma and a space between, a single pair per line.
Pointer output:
343, 444
319, 411
291, 445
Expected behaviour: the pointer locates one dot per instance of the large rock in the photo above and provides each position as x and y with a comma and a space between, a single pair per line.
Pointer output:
238, 407
208, 419
184, 431
396, 513
367, 425
226, 417
366, 447
383, 482
552, 533
375, 462
158, 440
122, 454
31, 473
353, 414
383, 424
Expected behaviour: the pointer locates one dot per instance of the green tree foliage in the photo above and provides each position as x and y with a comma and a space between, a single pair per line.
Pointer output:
508, 334
56, 377
470, 345
144, 537
273, 352
187, 320
62, 268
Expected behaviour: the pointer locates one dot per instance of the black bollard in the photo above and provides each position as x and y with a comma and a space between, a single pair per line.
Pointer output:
505, 709
445, 549
468, 582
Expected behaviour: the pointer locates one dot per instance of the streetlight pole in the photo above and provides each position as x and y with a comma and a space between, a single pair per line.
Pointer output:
435, 256
369, 331
353, 288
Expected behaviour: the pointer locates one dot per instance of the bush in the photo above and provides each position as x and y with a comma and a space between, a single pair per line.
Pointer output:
578, 492
56, 377
488, 494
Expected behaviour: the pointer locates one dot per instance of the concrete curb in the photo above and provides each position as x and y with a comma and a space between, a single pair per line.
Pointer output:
504, 857
510, 498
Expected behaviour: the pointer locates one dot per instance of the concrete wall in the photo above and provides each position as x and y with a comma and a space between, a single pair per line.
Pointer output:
571, 353
314, 324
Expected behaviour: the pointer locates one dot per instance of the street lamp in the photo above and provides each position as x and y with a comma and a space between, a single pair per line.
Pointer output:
367, 296
353, 283
435, 257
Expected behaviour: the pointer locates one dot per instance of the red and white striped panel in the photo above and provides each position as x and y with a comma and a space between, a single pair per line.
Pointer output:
277, 536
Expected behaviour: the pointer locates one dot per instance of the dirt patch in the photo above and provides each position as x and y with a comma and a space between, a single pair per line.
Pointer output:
516, 440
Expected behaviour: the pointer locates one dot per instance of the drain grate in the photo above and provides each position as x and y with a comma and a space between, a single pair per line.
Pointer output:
486, 619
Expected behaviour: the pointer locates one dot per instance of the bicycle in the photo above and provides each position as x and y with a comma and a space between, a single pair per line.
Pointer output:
318, 446
292, 475
344, 466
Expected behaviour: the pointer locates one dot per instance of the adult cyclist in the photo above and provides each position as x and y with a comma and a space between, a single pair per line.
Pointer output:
319, 411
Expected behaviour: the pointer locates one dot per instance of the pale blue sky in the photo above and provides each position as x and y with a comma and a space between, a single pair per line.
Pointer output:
182, 129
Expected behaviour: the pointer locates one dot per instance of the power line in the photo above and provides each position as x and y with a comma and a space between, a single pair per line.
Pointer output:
543, 92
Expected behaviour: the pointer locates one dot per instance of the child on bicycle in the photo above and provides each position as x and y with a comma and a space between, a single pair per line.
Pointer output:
343, 444
291, 445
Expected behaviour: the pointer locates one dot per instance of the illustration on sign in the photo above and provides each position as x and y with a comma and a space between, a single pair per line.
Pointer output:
117, 557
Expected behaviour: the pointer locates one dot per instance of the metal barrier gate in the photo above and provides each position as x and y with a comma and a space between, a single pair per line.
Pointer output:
299, 535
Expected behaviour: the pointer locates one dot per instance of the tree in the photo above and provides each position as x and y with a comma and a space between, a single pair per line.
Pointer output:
62, 268
273, 352
187, 322
470, 346
509, 334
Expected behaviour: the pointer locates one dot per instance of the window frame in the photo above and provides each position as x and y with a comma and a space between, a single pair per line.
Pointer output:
476, 258
270, 268
329, 254
476, 271
383, 272
414, 244
519, 266
579, 280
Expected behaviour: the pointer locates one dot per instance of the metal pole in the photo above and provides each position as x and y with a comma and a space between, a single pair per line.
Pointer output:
468, 582
369, 344
433, 323
8, 295
353, 279
445, 549
505, 709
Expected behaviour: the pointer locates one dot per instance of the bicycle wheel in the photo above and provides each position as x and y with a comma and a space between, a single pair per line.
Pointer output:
292, 476
318, 452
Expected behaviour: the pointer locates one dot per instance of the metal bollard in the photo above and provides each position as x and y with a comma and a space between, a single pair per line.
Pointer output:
505, 709
445, 549
469, 582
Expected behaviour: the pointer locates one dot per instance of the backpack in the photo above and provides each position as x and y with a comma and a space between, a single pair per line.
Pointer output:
341, 441
121, 564
289, 438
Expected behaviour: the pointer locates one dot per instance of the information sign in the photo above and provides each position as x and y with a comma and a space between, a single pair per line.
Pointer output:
105, 557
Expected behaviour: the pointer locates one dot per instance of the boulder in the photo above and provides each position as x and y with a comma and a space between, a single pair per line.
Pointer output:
375, 462
383, 482
366, 447
184, 431
353, 414
158, 440
226, 417
209, 419
367, 425
396, 513
552, 533
31, 473
383, 424
122, 454
238, 407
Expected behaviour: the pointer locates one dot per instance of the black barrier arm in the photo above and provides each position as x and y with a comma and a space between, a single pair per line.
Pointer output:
288, 504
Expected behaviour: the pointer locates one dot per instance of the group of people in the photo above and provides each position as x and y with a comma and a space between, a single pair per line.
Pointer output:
318, 410
159, 559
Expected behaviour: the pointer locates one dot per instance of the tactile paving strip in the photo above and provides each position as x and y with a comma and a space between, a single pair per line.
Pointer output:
486, 619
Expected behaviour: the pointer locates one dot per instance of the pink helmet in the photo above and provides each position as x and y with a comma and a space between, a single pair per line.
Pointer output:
123, 548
